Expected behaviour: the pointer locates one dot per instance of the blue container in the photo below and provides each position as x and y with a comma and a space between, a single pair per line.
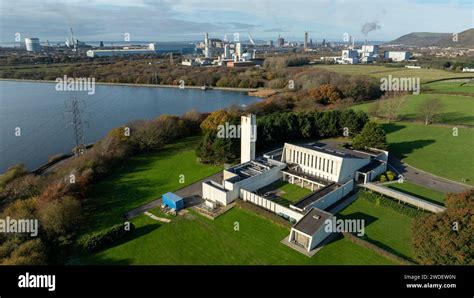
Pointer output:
173, 201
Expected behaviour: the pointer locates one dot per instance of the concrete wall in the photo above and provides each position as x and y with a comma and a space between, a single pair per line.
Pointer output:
316, 163
215, 193
315, 239
319, 236
227, 174
377, 171
405, 198
350, 166
333, 196
269, 205
261, 180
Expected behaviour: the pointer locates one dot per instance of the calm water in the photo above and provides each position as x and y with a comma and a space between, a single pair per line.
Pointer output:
39, 111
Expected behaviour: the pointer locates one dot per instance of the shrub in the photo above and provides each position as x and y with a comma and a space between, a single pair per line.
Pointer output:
390, 175
11, 174
383, 178
106, 237
388, 203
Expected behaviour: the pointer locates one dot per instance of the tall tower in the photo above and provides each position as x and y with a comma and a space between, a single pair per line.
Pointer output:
248, 137
306, 40
206, 46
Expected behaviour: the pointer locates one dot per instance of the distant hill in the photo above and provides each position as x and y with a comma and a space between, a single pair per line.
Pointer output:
423, 39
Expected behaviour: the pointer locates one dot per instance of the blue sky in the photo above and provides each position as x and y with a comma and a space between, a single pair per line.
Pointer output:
179, 20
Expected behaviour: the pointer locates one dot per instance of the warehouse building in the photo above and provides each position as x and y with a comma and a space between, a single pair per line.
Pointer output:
397, 56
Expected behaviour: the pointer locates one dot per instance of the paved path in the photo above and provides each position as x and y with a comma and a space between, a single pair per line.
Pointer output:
432, 207
423, 178
191, 194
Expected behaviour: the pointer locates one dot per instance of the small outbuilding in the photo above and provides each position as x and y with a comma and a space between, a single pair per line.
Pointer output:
173, 201
310, 230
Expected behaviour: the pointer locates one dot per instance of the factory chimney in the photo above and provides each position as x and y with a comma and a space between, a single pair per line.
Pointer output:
306, 40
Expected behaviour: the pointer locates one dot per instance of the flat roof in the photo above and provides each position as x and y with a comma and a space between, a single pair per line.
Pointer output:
312, 221
313, 197
335, 150
250, 169
173, 197
307, 176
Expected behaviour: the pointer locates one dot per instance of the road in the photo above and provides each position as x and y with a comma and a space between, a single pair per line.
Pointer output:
428, 180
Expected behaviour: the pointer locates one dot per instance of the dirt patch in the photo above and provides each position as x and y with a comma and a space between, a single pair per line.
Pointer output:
263, 93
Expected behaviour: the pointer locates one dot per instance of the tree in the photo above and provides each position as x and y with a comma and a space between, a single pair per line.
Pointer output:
372, 136
446, 238
325, 94
390, 108
430, 108
146, 136
31, 252
58, 216
214, 120
11, 174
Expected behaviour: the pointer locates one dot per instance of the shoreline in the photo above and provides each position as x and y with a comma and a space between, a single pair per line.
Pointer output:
233, 89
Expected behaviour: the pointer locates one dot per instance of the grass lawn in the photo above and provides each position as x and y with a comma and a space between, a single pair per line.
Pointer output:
379, 71
144, 178
289, 193
434, 149
458, 87
456, 109
390, 230
419, 191
193, 239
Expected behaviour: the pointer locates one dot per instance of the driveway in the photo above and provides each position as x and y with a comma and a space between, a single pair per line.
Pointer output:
423, 178
191, 194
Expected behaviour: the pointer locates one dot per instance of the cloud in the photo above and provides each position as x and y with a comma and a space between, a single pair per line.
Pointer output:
175, 19
277, 30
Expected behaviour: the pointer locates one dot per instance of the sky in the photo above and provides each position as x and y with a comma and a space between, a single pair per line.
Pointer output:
188, 20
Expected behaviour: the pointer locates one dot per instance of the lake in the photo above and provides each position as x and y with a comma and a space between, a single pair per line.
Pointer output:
35, 123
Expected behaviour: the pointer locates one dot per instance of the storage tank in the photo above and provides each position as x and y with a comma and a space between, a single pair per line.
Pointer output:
32, 44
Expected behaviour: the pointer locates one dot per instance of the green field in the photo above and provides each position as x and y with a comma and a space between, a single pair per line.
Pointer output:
434, 149
380, 71
452, 87
387, 228
289, 193
193, 239
419, 191
144, 178
456, 109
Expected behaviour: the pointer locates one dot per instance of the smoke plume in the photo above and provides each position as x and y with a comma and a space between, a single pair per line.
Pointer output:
370, 26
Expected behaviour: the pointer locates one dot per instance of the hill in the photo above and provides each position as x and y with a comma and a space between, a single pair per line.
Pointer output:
423, 39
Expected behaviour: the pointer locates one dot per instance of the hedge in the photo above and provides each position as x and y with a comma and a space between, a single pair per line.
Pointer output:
388, 203
106, 238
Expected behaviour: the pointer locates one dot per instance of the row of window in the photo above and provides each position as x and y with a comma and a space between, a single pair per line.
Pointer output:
312, 161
